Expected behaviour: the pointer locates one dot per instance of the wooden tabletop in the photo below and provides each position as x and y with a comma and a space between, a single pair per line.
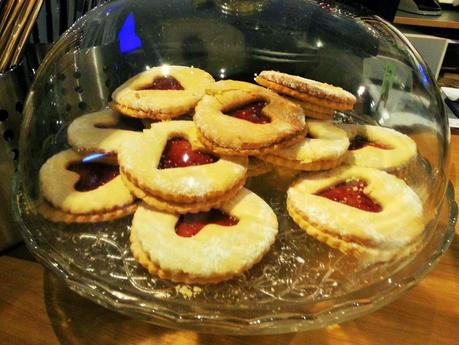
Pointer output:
449, 19
38, 309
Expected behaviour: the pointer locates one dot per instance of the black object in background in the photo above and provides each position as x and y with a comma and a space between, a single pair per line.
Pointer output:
385, 9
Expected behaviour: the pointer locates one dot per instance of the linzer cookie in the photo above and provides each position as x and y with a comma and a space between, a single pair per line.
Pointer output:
102, 131
169, 168
362, 211
162, 93
205, 247
379, 147
319, 100
238, 118
258, 167
324, 147
79, 189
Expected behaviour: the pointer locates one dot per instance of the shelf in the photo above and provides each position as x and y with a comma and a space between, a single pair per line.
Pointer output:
449, 19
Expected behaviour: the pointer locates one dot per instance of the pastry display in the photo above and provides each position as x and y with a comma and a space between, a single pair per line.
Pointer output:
207, 247
102, 131
319, 100
239, 118
324, 147
190, 172
172, 171
379, 147
358, 210
161, 93
79, 189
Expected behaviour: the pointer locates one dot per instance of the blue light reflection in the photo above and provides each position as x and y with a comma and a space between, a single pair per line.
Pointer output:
92, 157
424, 78
129, 41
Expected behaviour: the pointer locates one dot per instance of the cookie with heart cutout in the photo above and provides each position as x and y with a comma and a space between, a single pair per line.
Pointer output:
319, 100
324, 147
239, 118
208, 247
171, 170
379, 147
161, 93
102, 131
361, 211
83, 189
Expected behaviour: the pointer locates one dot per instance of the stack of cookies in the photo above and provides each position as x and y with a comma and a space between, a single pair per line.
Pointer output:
196, 222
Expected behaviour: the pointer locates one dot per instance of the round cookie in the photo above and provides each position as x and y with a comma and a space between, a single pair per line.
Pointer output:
362, 211
162, 93
307, 90
258, 167
240, 118
379, 147
325, 147
219, 246
75, 190
169, 168
97, 132
314, 111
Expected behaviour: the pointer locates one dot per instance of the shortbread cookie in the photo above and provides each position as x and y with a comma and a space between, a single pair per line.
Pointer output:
361, 211
314, 111
207, 247
76, 189
240, 118
325, 147
258, 167
379, 147
169, 168
307, 90
162, 93
101, 131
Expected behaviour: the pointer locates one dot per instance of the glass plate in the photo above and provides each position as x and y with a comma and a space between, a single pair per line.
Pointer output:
300, 285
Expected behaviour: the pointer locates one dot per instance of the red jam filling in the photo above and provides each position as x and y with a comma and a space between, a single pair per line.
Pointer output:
351, 193
179, 154
93, 174
164, 83
250, 112
360, 141
190, 224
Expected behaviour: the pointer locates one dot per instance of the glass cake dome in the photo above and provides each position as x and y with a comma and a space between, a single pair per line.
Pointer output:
301, 283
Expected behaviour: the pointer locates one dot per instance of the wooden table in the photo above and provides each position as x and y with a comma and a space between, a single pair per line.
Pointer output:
37, 309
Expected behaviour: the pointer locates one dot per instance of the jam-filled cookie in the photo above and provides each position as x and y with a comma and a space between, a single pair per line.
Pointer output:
102, 131
240, 118
379, 147
79, 189
363, 211
169, 168
162, 93
318, 100
258, 167
325, 147
206, 247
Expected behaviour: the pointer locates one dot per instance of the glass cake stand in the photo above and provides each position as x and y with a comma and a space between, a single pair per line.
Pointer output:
300, 284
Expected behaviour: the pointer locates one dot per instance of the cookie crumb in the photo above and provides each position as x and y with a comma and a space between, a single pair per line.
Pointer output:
188, 291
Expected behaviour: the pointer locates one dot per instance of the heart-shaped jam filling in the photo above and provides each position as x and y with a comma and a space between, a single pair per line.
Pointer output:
164, 83
93, 174
190, 224
250, 112
352, 194
178, 153
126, 123
360, 141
